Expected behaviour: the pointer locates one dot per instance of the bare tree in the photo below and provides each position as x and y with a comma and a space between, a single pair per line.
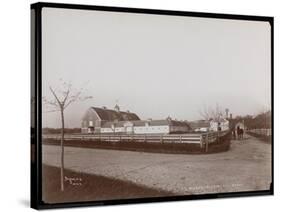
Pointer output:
62, 98
208, 113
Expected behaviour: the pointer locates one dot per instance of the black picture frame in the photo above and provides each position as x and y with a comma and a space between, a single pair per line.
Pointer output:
36, 104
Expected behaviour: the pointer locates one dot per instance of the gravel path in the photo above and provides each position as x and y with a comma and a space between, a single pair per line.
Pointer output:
246, 166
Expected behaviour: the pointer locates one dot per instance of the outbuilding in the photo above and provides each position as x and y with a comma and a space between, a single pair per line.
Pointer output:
103, 120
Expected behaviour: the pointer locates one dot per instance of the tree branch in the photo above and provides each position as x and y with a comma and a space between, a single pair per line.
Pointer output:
53, 92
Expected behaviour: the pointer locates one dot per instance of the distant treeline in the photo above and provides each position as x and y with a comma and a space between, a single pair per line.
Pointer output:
260, 121
58, 130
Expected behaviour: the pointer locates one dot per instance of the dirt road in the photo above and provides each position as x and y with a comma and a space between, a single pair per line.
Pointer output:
246, 166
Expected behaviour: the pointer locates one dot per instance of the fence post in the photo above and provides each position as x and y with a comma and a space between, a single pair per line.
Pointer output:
161, 138
207, 142
180, 138
201, 141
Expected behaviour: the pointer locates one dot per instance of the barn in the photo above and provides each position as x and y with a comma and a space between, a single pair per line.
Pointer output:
95, 118
103, 120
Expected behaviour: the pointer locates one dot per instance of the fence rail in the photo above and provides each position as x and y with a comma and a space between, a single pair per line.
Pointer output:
190, 138
266, 132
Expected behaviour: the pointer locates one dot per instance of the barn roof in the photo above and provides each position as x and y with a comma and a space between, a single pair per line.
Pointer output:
179, 123
199, 124
111, 115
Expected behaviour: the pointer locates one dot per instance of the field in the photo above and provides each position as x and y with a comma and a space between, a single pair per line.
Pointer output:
245, 167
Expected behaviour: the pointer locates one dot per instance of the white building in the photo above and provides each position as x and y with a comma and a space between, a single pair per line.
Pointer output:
222, 124
102, 120
145, 127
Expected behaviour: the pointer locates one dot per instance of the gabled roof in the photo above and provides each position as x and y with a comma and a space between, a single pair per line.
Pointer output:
111, 115
179, 123
199, 124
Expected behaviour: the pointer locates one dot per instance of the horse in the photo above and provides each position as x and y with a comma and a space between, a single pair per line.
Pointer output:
234, 134
240, 133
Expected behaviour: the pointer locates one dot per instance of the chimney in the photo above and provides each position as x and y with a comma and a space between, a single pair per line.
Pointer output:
230, 116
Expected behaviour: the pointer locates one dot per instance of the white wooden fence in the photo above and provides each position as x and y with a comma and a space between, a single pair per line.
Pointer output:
266, 132
190, 138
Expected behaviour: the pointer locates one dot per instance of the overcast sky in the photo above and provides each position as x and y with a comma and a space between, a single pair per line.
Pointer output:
155, 65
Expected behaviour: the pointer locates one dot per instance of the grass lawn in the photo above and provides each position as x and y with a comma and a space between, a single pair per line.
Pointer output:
85, 187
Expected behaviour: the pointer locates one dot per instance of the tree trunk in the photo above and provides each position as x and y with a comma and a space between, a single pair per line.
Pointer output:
62, 151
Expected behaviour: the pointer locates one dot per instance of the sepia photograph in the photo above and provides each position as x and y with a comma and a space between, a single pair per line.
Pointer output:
140, 105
